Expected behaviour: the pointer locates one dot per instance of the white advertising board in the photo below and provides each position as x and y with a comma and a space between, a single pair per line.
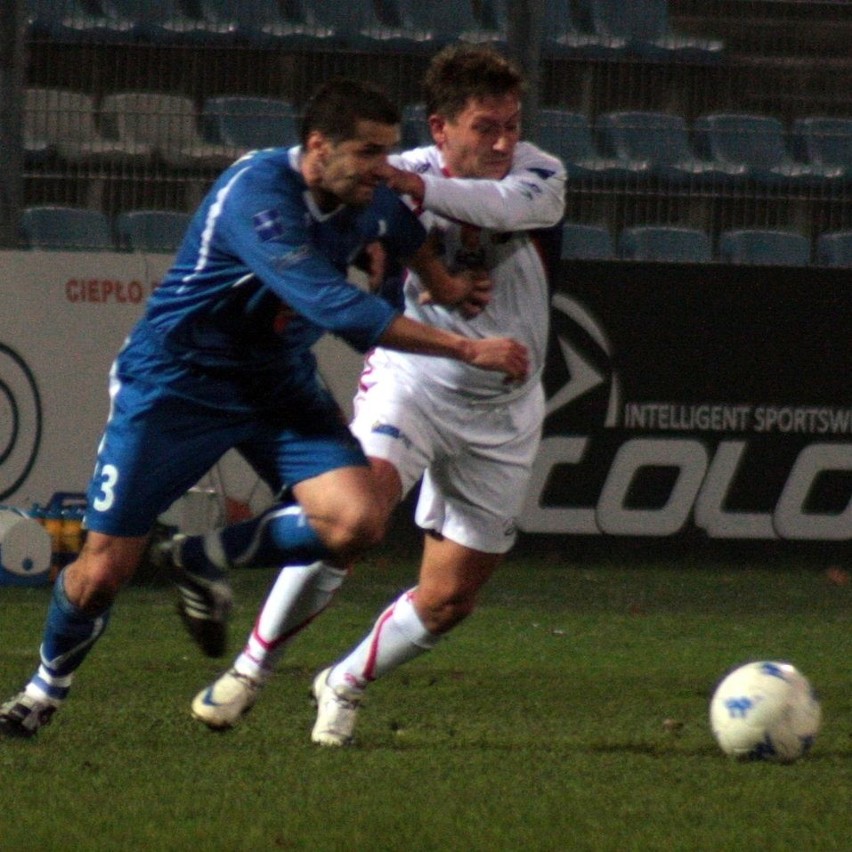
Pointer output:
64, 317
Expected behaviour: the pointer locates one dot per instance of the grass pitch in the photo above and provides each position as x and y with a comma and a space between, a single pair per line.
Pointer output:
569, 713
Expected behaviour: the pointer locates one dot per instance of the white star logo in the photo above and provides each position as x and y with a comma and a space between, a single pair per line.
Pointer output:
584, 376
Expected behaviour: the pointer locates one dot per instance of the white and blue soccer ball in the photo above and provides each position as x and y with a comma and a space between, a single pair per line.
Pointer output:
765, 711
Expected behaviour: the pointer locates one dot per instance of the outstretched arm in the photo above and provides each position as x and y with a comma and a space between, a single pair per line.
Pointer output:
498, 354
531, 196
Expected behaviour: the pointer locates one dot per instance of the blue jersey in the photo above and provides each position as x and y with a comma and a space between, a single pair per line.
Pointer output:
261, 273
222, 357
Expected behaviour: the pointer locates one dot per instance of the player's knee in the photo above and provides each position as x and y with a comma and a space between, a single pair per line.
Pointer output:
356, 529
94, 580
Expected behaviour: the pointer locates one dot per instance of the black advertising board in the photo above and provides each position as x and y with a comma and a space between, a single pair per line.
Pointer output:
688, 400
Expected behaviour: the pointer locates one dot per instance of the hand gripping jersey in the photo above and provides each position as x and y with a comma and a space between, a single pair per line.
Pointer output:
261, 273
504, 243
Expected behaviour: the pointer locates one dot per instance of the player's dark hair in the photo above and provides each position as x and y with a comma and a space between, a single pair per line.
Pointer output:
464, 71
338, 105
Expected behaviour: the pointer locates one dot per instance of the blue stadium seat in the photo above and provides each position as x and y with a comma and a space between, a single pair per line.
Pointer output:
569, 136
564, 37
764, 247
72, 20
152, 230
665, 243
432, 25
586, 242
260, 21
834, 249
646, 28
825, 142
66, 228
355, 25
658, 138
415, 127
162, 21
248, 123
301, 24
754, 145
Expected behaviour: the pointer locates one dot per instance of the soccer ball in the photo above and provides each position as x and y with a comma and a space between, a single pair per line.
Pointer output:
765, 711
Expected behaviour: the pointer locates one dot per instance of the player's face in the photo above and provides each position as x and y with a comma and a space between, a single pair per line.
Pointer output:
480, 141
352, 169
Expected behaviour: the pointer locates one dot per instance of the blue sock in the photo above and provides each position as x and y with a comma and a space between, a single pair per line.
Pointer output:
69, 634
279, 536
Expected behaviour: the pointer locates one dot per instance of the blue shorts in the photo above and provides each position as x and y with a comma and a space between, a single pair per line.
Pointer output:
160, 440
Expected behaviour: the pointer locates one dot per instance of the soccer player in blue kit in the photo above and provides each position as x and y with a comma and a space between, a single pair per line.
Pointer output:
221, 359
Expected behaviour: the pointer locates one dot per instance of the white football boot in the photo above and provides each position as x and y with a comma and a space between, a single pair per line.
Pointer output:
337, 712
223, 703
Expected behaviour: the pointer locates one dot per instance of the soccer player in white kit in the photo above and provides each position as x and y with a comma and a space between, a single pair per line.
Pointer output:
470, 434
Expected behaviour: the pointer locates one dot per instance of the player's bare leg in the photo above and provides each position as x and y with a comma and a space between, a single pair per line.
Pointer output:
299, 594
338, 514
451, 576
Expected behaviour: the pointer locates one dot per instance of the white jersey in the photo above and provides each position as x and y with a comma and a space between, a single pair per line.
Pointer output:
531, 196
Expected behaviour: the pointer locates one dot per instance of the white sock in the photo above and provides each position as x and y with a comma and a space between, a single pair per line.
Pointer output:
397, 637
300, 593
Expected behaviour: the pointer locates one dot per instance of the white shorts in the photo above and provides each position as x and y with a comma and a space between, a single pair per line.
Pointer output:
475, 458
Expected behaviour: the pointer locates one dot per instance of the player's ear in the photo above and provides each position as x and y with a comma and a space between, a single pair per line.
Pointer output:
318, 144
437, 123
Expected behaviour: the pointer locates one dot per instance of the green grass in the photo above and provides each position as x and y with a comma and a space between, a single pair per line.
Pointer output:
538, 725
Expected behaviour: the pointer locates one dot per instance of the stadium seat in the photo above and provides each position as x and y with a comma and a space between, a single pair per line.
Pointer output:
299, 24
834, 249
152, 230
569, 136
415, 127
564, 37
754, 145
764, 247
162, 21
166, 122
248, 123
260, 21
431, 25
357, 26
646, 28
586, 242
824, 141
658, 138
66, 228
64, 122
72, 20
665, 243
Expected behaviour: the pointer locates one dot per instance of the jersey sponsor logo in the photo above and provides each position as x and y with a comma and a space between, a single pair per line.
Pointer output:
268, 225
294, 257
386, 429
530, 190
391, 431
544, 174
